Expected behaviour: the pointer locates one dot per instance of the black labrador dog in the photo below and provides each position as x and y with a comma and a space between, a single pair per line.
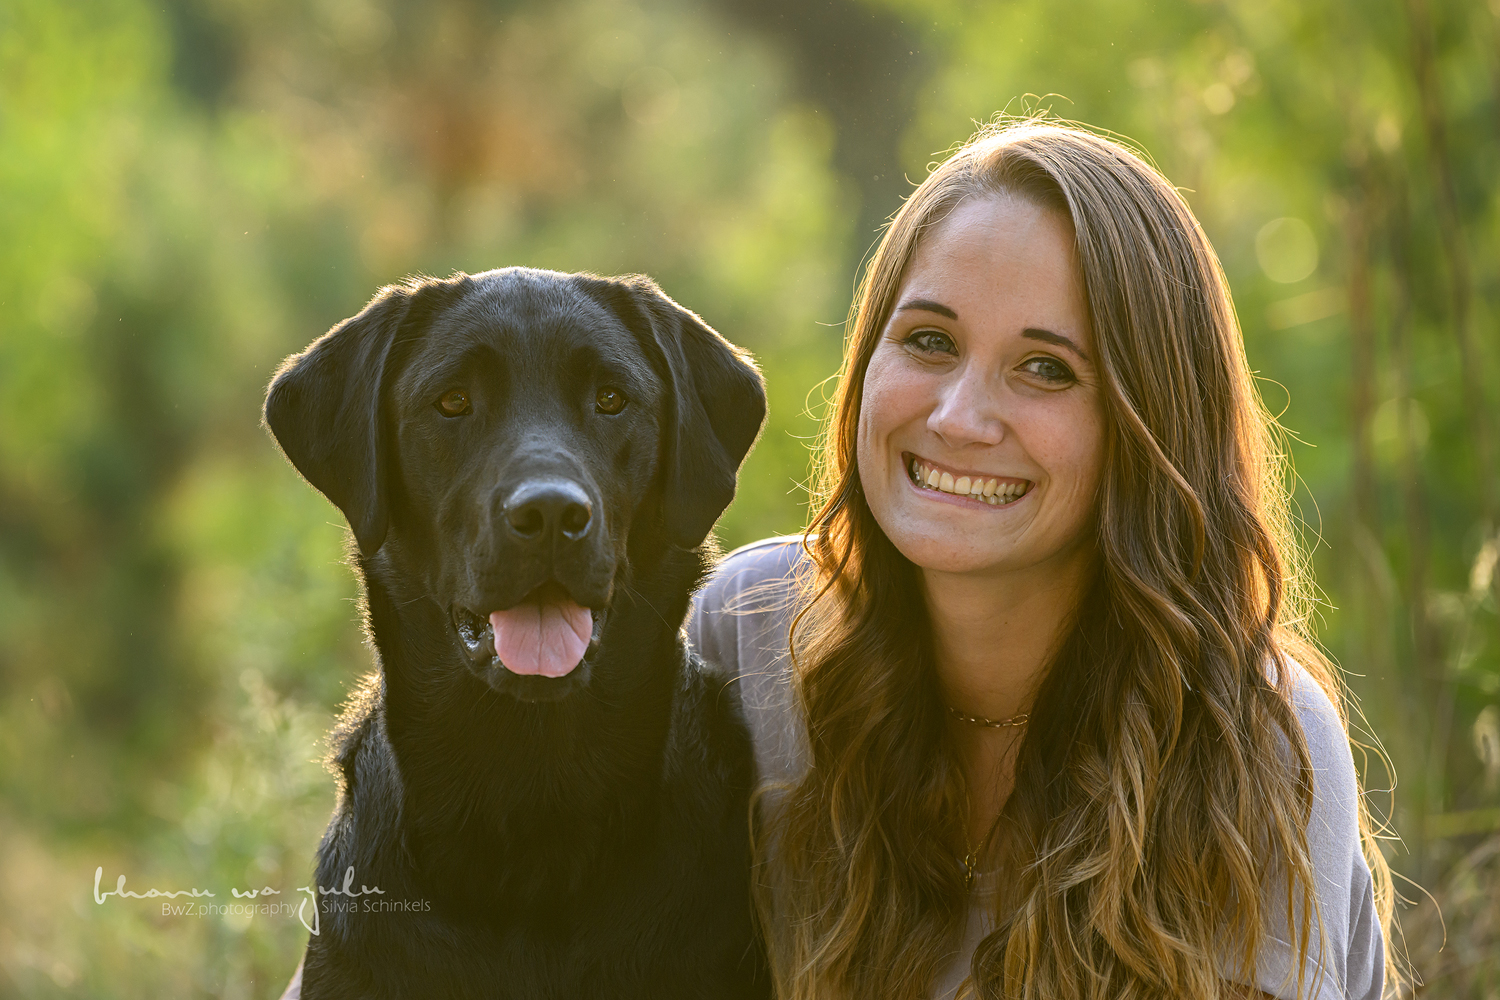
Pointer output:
543, 792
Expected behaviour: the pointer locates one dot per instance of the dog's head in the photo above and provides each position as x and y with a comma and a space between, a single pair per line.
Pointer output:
510, 431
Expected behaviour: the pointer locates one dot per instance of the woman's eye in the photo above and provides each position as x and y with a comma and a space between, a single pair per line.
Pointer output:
930, 342
1048, 369
454, 403
609, 400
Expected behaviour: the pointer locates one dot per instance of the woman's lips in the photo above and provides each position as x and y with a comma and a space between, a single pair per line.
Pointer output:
996, 491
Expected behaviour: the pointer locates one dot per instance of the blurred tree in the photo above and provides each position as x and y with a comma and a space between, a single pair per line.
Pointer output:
863, 64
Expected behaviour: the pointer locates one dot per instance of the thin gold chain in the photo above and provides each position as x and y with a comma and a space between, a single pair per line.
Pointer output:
970, 860
979, 720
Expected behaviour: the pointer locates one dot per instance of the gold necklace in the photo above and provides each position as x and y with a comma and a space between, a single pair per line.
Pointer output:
970, 861
979, 720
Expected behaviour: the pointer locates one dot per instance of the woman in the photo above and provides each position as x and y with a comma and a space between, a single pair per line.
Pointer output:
1053, 727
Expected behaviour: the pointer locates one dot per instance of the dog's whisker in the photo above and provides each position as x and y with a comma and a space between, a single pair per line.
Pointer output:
644, 600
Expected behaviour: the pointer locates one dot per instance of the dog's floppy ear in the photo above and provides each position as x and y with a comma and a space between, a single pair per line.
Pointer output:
716, 405
323, 408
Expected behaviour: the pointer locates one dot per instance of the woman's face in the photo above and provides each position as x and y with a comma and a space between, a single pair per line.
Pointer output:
981, 429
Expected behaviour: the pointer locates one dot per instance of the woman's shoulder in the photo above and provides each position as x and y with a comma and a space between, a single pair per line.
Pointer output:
1335, 784
753, 589
755, 569
739, 624
1352, 953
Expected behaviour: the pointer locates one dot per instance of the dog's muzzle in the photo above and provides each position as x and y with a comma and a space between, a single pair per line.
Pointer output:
546, 635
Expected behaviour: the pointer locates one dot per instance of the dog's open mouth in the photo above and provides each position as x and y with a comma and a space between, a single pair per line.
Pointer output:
546, 635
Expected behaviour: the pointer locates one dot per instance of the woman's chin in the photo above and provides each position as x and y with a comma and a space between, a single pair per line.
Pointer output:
952, 552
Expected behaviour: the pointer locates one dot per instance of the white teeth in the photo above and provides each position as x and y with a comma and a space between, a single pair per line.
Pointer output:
975, 487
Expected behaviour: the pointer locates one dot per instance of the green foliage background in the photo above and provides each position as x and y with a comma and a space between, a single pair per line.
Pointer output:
191, 191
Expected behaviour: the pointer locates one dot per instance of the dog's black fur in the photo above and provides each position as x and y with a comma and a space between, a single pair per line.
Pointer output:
575, 837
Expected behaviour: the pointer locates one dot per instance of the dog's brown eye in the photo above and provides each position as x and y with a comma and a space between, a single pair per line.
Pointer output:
609, 400
454, 403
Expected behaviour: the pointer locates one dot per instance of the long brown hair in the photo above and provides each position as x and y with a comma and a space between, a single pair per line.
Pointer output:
1163, 788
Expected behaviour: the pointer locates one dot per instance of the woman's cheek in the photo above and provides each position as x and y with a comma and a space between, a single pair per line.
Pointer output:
1066, 441
1082, 440
869, 431
877, 404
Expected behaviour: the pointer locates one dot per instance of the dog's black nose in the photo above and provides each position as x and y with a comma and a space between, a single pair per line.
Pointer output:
543, 508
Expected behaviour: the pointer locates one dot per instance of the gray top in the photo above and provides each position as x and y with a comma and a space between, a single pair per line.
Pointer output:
740, 620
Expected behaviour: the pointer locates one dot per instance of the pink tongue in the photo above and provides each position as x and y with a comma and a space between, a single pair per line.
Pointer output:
545, 639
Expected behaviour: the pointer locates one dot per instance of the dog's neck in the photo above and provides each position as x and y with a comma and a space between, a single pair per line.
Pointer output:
483, 772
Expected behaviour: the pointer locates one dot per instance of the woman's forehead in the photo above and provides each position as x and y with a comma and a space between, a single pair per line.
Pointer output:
997, 228
998, 259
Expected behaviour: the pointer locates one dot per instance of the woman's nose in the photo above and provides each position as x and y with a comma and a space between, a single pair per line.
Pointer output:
968, 411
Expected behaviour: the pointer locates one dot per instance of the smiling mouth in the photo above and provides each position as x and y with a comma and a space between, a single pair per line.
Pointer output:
997, 491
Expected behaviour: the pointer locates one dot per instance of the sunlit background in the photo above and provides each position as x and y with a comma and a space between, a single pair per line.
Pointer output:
192, 189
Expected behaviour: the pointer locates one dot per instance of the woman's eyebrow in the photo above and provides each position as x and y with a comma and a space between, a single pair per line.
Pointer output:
1054, 338
927, 305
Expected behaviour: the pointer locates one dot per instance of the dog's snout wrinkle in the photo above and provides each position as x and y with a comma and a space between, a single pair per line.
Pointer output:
545, 510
